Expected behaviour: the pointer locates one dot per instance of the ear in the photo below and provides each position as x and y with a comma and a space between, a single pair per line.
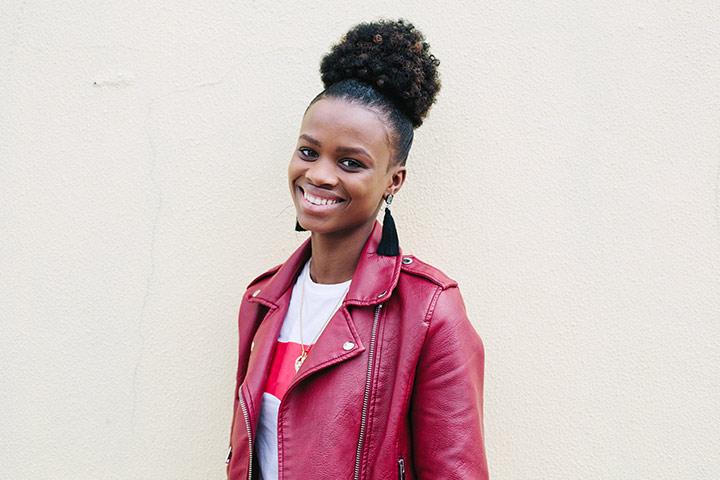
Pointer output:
397, 179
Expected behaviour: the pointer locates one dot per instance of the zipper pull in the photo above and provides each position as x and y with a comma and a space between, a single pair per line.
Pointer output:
401, 468
229, 454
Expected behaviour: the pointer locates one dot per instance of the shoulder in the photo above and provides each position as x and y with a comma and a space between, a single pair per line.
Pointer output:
447, 307
417, 269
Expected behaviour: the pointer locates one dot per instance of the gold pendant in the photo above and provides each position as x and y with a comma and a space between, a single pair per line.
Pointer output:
300, 359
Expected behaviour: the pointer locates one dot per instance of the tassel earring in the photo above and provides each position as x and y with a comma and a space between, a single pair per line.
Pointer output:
389, 245
298, 227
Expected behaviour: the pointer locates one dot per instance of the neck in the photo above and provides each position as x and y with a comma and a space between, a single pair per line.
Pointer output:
335, 256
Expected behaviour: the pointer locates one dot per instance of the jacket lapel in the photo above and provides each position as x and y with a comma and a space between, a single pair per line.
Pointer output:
338, 342
261, 355
373, 281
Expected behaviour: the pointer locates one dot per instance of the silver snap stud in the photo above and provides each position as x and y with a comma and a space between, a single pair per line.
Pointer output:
348, 346
407, 260
255, 293
382, 294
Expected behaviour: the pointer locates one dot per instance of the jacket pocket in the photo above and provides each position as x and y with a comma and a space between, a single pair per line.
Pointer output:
401, 468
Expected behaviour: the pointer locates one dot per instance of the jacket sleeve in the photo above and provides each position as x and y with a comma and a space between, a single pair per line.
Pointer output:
447, 400
236, 400
242, 361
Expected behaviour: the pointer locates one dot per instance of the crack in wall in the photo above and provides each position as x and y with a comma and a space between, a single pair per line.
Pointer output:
156, 193
158, 200
717, 197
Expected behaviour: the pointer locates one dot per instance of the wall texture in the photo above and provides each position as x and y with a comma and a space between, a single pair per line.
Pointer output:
568, 177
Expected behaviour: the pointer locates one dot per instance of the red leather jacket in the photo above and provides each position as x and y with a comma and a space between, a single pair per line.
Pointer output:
392, 388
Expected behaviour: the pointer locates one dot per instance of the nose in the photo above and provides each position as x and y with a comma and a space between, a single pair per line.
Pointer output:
321, 173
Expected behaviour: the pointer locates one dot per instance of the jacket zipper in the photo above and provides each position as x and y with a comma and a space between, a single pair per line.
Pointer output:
401, 468
249, 433
366, 397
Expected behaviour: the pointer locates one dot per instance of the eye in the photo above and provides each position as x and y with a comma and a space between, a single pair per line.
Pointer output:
307, 153
351, 164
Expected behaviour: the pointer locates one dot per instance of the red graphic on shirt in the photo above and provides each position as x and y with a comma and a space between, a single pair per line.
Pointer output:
282, 369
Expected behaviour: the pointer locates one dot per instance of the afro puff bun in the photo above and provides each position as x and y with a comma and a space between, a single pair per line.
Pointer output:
393, 57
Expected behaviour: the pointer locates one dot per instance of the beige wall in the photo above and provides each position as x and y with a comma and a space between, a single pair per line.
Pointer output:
567, 177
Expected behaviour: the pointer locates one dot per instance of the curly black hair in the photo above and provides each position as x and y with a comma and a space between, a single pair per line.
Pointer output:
385, 64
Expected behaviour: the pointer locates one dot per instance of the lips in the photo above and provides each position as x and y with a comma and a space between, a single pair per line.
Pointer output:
320, 199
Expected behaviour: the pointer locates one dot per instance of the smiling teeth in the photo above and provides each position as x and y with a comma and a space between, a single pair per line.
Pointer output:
317, 200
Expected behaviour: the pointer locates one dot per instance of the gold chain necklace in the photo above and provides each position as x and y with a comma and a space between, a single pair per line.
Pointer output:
304, 353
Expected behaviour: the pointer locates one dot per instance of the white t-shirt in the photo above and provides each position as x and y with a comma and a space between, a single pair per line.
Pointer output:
318, 305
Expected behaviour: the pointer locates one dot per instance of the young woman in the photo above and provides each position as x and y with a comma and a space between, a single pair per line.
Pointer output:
355, 360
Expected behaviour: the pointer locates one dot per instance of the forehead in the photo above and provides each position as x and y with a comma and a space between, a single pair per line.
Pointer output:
341, 123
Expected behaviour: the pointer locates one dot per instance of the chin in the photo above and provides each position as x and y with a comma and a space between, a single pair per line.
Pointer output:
316, 226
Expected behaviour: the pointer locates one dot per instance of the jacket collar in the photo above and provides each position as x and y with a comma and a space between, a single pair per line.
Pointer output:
374, 278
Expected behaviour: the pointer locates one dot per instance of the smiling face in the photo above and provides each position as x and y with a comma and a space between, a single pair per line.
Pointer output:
341, 168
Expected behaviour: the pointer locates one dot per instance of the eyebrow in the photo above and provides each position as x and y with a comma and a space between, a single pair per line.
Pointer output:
340, 149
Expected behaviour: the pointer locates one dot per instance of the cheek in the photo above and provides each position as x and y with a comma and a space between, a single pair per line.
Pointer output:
367, 193
294, 169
